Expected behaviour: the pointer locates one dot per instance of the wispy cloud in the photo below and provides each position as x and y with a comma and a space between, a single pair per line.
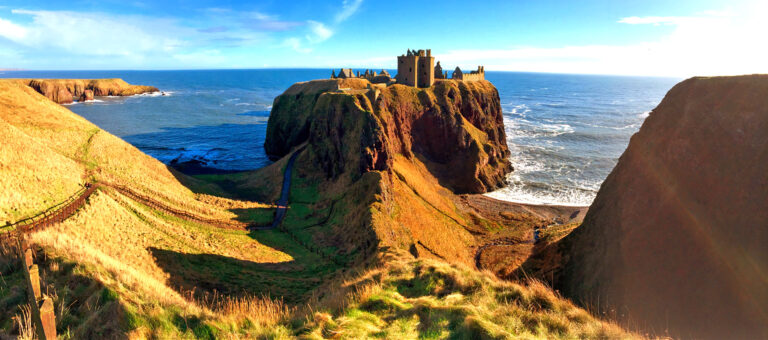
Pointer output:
93, 33
318, 31
348, 8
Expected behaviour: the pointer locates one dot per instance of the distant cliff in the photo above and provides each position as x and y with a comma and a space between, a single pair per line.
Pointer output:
676, 237
455, 128
64, 91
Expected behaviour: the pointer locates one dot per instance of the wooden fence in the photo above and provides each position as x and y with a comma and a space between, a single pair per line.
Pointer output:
41, 305
57, 214
154, 204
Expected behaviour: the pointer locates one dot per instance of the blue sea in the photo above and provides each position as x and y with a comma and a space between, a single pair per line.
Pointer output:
565, 132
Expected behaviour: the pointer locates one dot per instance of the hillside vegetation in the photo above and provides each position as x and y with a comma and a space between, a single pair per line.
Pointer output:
360, 254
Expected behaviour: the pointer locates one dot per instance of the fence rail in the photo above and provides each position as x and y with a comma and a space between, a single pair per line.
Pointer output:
53, 215
154, 204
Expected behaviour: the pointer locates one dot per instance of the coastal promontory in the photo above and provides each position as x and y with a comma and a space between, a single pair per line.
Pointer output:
454, 128
64, 91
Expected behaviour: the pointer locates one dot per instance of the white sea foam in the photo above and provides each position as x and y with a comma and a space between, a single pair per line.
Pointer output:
521, 193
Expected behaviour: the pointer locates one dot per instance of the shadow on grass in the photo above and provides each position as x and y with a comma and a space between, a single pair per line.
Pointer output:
76, 297
230, 277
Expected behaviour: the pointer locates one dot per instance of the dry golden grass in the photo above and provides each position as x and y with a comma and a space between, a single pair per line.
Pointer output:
415, 209
39, 124
33, 177
24, 323
117, 233
409, 299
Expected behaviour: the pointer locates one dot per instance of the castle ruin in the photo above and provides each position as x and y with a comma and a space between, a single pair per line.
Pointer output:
415, 68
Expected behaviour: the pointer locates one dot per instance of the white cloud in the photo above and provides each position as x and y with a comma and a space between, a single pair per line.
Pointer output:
12, 31
318, 31
348, 7
711, 43
93, 34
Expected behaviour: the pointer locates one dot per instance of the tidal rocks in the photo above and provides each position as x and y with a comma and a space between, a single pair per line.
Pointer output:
676, 237
86, 96
63, 91
455, 128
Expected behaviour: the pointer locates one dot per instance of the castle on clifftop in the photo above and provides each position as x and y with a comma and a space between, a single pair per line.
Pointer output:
415, 68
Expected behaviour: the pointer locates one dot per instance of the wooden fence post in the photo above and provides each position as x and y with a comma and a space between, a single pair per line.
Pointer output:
47, 319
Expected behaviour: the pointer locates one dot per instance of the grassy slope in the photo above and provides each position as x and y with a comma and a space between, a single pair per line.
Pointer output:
146, 259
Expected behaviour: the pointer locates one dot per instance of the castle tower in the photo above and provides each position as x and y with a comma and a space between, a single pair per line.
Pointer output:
426, 75
416, 68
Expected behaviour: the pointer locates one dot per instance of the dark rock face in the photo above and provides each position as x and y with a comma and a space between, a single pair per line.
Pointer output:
455, 128
86, 96
677, 236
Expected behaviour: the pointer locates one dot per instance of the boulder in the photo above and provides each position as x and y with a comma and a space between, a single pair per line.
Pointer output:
86, 96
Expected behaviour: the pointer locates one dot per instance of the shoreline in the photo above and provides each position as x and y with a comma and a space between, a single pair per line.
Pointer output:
524, 202
559, 214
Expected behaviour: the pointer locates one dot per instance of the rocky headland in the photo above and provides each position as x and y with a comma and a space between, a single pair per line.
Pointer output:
65, 91
454, 128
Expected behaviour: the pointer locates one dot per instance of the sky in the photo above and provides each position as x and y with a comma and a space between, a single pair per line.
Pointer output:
650, 38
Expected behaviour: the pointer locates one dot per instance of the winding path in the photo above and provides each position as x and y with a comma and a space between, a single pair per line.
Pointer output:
282, 203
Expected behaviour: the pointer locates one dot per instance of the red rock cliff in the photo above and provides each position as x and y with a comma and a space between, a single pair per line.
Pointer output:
677, 236
63, 91
455, 128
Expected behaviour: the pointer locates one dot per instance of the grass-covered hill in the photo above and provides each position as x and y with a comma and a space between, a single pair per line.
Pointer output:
382, 253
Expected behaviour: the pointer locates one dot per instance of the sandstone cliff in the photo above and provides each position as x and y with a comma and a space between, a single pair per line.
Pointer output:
387, 162
676, 238
63, 91
454, 128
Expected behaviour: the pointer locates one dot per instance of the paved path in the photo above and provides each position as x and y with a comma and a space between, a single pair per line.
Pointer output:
282, 203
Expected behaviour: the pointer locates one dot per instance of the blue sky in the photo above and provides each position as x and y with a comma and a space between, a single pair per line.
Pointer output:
674, 38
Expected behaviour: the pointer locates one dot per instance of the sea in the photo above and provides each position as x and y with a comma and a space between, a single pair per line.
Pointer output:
565, 132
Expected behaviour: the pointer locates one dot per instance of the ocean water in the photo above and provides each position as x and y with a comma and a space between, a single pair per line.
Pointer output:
565, 132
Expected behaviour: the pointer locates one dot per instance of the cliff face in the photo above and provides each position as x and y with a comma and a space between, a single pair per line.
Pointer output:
676, 237
63, 91
454, 128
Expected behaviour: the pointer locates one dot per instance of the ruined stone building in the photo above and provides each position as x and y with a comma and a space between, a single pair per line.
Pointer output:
382, 77
415, 68
439, 72
479, 74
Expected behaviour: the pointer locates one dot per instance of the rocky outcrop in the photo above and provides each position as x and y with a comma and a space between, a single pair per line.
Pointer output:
676, 237
63, 91
86, 96
455, 128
